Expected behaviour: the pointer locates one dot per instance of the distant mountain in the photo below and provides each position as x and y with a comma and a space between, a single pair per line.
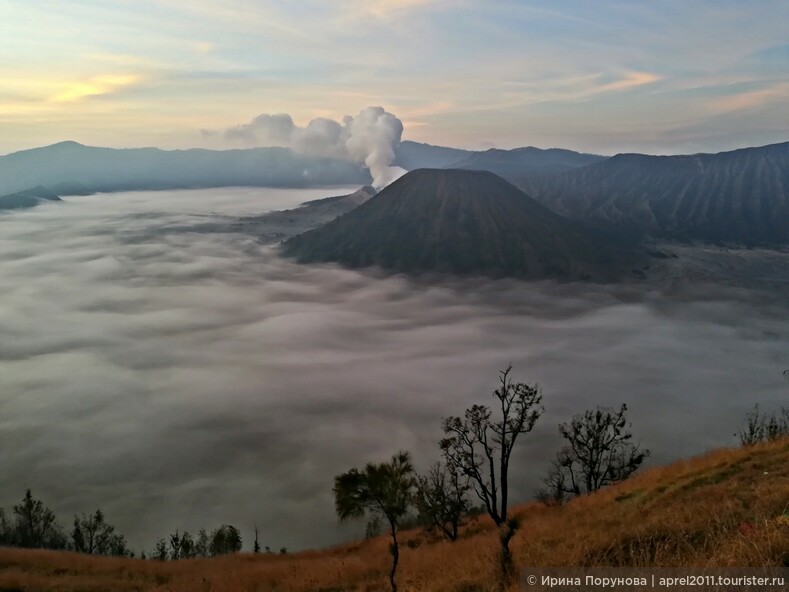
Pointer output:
468, 222
70, 168
525, 162
413, 155
740, 196
27, 198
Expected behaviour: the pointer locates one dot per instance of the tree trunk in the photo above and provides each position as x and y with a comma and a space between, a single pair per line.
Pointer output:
395, 550
506, 532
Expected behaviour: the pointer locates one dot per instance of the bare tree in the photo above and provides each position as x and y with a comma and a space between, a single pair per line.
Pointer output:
385, 489
36, 526
442, 498
599, 452
202, 545
256, 544
94, 536
480, 447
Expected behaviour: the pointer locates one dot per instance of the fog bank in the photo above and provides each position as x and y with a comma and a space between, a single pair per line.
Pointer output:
182, 379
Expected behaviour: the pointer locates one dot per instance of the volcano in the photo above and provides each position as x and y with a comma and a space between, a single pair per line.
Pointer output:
465, 222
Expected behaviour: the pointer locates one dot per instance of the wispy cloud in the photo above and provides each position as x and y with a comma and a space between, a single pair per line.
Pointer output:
381, 9
751, 99
630, 80
94, 86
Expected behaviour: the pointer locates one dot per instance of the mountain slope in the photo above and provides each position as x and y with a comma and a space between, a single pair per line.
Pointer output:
69, 167
724, 509
27, 198
345, 202
525, 162
462, 222
740, 196
413, 155
274, 227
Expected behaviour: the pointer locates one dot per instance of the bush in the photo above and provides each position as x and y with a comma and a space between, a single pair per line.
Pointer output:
762, 427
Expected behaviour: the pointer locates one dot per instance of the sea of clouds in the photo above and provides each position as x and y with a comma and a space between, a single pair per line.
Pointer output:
181, 379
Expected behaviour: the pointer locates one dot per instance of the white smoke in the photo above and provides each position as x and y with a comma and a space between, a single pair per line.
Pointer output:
370, 139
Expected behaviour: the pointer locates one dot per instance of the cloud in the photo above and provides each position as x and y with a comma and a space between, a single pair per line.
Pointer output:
96, 85
383, 9
751, 99
304, 58
629, 80
370, 138
181, 380
265, 130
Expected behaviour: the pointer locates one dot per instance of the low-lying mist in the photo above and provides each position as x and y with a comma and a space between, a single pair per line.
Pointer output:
182, 379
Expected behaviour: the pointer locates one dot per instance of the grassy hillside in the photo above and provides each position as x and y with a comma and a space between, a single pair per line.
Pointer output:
727, 508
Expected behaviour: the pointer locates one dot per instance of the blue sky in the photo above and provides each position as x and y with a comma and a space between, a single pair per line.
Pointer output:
603, 76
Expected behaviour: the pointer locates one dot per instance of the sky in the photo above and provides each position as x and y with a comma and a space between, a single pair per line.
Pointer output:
608, 76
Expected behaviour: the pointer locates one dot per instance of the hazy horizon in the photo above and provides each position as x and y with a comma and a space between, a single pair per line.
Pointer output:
229, 149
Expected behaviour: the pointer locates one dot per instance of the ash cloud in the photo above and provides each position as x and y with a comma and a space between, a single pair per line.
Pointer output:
370, 138
182, 379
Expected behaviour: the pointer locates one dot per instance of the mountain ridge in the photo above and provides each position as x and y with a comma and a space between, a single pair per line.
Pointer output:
73, 168
739, 196
27, 199
527, 160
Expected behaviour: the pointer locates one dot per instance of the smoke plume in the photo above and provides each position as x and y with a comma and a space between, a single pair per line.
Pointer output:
369, 139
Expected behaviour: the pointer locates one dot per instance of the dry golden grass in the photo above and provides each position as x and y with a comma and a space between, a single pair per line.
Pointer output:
726, 508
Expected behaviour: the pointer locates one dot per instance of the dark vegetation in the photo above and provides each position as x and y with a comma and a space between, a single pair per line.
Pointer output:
32, 525
92, 535
725, 508
763, 427
476, 458
599, 452
385, 489
480, 446
476, 455
442, 499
